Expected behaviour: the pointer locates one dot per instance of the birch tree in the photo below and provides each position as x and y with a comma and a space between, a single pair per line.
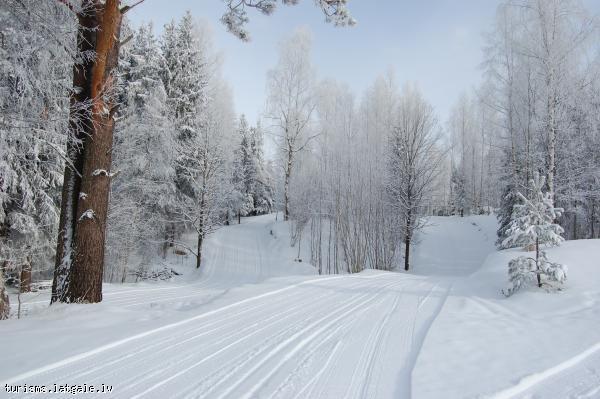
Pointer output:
291, 104
414, 160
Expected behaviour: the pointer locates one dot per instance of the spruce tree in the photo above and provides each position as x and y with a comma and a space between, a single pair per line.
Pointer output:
262, 190
144, 187
533, 225
242, 198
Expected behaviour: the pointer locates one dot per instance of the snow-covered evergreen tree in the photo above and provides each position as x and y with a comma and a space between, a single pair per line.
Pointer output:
185, 78
504, 214
200, 106
262, 187
185, 74
243, 170
34, 104
532, 225
252, 192
143, 189
460, 197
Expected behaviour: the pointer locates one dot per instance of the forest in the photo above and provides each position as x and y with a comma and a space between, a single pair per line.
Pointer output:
354, 172
184, 217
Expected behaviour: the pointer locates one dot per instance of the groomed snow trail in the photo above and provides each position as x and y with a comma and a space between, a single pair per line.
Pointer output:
340, 337
355, 336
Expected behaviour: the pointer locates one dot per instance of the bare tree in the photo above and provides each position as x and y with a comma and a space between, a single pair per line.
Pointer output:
291, 103
414, 161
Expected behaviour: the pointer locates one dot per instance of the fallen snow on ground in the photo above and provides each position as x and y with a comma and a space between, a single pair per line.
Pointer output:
255, 323
535, 344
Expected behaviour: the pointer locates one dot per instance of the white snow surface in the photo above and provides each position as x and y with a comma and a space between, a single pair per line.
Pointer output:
254, 323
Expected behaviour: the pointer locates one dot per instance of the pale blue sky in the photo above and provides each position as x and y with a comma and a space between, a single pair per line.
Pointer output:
437, 43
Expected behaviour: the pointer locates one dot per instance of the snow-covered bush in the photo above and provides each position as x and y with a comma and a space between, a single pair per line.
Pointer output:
532, 224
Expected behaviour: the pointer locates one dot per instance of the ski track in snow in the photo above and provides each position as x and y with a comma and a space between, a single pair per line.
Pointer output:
297, 341
577, 377
277, 329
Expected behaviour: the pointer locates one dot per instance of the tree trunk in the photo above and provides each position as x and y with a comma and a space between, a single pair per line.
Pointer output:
239, 216
25, 278
202, 227
593, 215
4, 304
79, 127
286, 186
199, 256
407, 240
537, 261
165, 245
406, 251
80, 251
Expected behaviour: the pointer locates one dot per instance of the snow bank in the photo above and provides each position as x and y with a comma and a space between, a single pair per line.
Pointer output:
484, 343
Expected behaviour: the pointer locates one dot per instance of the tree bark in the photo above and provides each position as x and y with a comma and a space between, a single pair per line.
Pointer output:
537, 261
25, 278
79, 127
407, 240
4, 303
80, 249
199, 256
406, 251
286, 186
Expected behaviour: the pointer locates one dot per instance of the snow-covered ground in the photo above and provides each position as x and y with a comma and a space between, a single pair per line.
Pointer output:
254, 323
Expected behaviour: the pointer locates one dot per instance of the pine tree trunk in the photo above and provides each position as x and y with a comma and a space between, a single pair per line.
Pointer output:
88, 264
79, 127
80, 250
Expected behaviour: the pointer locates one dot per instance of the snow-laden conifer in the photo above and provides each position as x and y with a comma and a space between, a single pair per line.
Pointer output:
533, 225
